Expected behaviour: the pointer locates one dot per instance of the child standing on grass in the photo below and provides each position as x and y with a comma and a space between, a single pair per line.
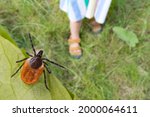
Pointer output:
78, 10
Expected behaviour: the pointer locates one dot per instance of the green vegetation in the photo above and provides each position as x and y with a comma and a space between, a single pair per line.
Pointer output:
14, 88
110, 68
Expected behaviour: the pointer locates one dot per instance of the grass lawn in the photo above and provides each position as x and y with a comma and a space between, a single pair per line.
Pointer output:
109, 68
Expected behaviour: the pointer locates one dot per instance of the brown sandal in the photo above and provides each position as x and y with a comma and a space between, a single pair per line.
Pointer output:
74, 51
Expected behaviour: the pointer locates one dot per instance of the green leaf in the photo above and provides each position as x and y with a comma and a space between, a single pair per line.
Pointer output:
4, 33
128, 36
14, 88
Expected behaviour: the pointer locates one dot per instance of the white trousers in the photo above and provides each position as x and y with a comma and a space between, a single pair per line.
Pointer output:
77, 10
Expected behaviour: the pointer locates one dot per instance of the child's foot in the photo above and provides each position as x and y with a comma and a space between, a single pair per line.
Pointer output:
96, 27
74, 47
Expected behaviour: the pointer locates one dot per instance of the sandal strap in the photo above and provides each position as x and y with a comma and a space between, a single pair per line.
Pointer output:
71, 41
74, 48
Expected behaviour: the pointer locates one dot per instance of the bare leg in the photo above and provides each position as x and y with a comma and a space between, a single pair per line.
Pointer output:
75, 29
74, 48
96, 27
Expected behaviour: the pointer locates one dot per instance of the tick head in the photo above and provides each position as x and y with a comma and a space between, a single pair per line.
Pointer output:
39, 54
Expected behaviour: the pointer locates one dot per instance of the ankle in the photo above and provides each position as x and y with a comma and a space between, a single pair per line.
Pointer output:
74, 36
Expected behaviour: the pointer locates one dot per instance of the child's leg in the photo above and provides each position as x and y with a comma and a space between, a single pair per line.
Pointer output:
96, 27
74, 46
75, 29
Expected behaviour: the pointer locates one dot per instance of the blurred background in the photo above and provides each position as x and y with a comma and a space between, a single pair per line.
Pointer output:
110, 68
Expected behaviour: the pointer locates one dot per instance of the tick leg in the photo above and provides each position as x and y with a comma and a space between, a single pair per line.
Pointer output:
29, 54
21, 60
17, 71
45, 63
53, 62
45, 81
48, 70
32, 44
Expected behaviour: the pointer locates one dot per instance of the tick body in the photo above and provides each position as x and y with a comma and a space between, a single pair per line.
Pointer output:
33, 67
30, 75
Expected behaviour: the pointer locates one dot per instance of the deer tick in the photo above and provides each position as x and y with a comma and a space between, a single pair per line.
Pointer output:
33, 66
